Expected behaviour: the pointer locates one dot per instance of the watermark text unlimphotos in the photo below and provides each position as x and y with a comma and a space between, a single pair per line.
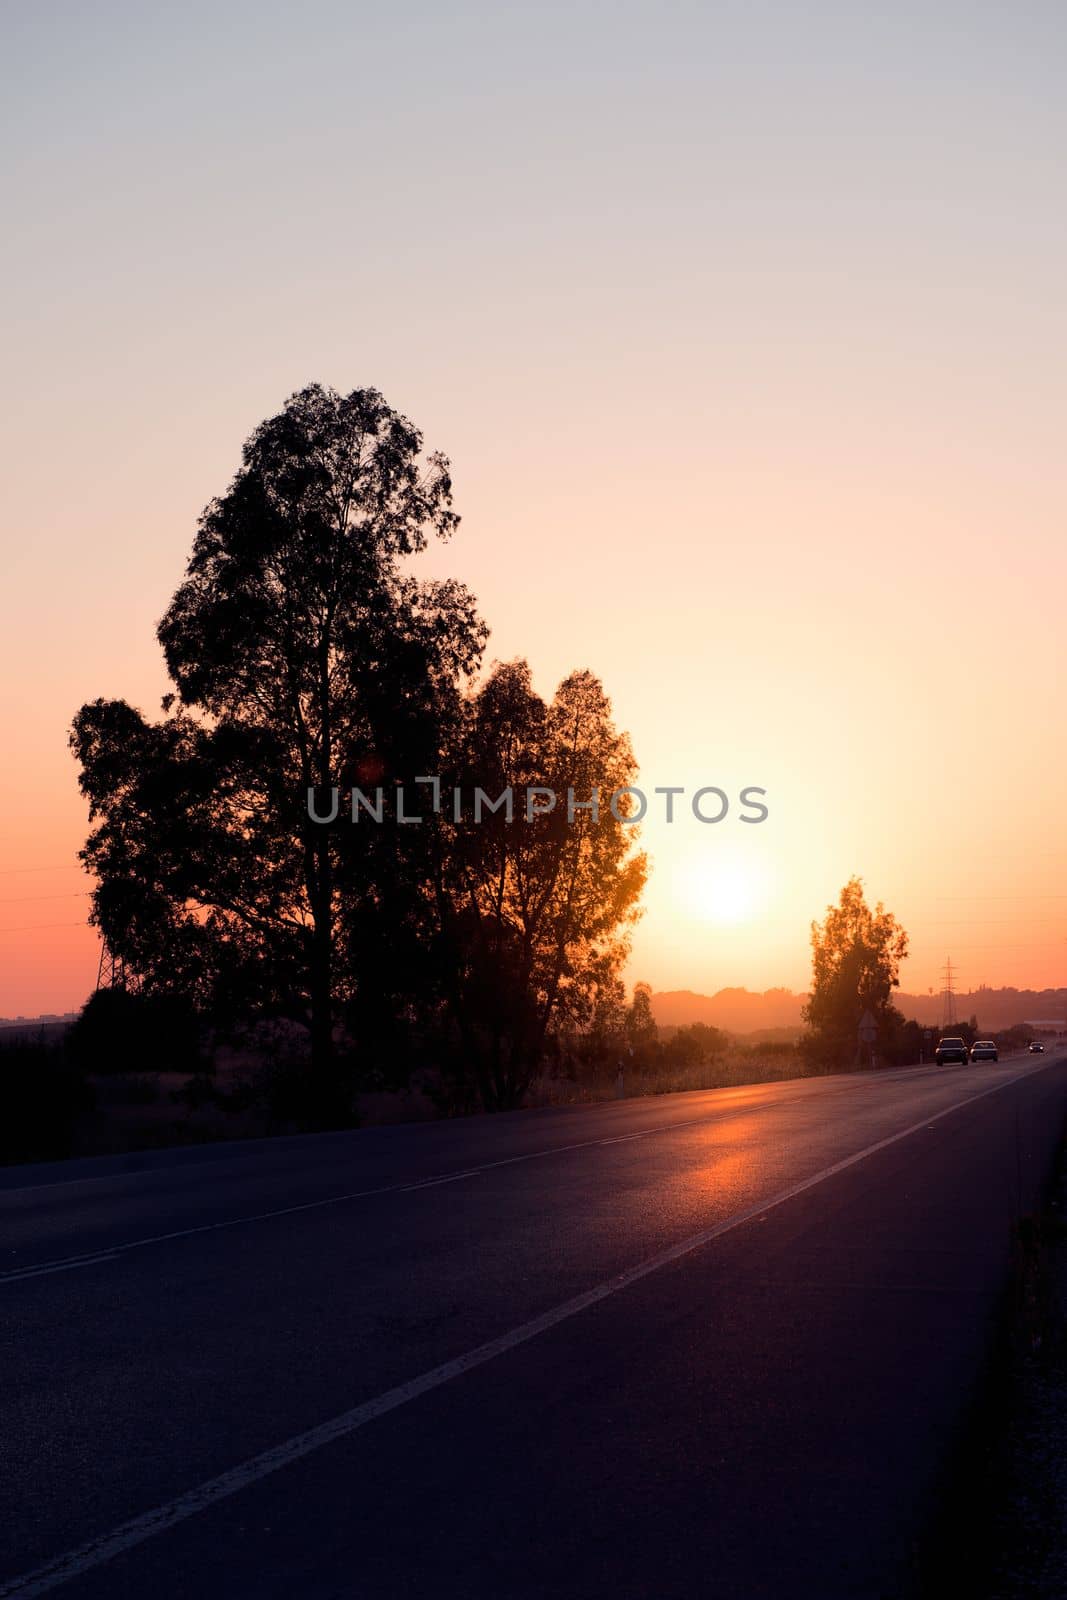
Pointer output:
628, 805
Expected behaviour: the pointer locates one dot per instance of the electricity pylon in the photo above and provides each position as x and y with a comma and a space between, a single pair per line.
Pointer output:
111, 973
948, 996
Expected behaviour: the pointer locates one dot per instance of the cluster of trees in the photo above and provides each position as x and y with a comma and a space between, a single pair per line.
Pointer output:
307, 656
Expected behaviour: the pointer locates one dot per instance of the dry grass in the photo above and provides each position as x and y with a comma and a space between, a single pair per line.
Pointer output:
732, 1069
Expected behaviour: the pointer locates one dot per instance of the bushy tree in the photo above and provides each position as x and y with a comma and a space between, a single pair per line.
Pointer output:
695, 1043
122, 1031
533, 911
903, 1041
306, 656
856, 956
641, 1027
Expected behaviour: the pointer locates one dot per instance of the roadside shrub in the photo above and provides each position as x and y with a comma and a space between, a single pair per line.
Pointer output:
121, 1031
43, 1094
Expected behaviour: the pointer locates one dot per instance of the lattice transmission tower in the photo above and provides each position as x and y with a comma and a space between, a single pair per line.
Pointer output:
948, 996
111, 973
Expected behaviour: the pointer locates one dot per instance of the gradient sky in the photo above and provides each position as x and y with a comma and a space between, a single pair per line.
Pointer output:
743, 325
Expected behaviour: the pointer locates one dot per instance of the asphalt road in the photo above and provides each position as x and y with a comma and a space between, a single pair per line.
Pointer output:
712, 1344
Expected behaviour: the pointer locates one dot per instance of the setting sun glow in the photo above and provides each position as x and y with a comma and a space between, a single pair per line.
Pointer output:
723, 887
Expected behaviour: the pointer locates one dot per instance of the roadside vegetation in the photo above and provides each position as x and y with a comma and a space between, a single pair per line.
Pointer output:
144, 1067
131, 1076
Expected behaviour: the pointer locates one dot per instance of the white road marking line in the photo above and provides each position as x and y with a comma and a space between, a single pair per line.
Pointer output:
433, 1183
70, 1264
95, 1552
111, 1252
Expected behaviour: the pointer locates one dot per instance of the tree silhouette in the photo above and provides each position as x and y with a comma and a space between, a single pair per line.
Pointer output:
856, 956
641, 1027
533, 911
306, 656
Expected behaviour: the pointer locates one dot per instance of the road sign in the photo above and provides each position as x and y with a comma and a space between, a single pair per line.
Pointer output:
868, 1029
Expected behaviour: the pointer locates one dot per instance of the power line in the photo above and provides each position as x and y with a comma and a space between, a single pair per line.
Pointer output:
65, 866
24, 899
1042, 894
1051, 935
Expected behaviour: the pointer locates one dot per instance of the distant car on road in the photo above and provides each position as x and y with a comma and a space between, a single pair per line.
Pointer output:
951, 1050
1036, 1047
984, 1050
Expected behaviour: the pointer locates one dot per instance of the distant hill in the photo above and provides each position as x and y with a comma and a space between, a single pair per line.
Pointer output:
736, 1010
994, 1008
749, 1011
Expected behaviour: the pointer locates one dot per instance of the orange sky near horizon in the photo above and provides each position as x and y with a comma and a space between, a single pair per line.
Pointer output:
744, 332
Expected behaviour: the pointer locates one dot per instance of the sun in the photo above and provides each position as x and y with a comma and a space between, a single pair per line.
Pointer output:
722, 886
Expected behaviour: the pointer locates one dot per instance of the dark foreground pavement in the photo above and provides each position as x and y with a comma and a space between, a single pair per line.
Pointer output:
715, 1344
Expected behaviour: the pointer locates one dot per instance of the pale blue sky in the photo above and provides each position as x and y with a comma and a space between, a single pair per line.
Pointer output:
742, 323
